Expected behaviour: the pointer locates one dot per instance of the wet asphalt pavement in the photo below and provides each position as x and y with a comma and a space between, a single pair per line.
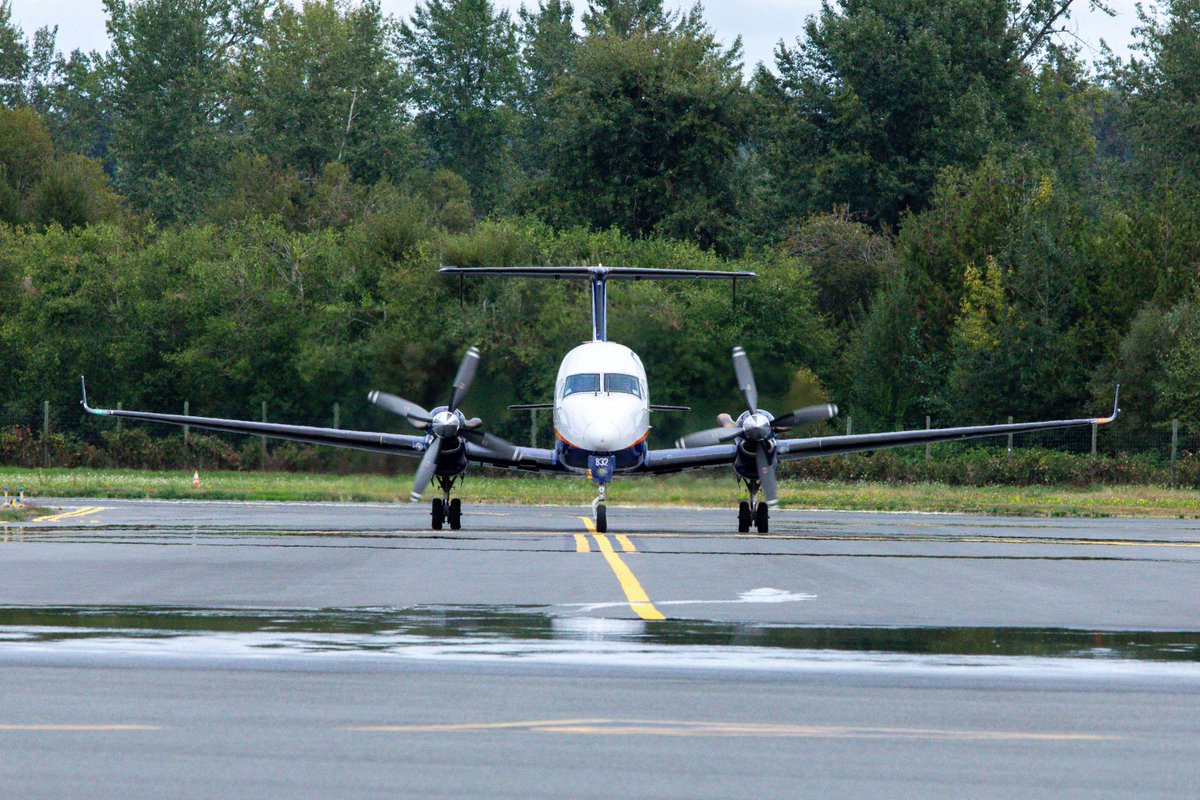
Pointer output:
185, 649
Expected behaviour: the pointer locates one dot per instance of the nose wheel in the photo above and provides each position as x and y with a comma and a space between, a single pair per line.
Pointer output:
753, 511
444, 509
599, 512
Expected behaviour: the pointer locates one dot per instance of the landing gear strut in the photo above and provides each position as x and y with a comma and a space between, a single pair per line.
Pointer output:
445, 509
754, 511
599, 511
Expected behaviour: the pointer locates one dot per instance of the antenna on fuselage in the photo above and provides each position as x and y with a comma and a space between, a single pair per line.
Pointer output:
598, 276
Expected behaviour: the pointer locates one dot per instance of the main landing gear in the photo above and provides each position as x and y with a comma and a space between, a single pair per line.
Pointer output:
599, 511
444, 509
754, 511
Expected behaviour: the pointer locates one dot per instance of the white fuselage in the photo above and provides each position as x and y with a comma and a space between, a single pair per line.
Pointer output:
601, 400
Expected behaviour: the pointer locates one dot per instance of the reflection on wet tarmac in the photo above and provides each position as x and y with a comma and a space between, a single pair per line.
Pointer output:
431, 632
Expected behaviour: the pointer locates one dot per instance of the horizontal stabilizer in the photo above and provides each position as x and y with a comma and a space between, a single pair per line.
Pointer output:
604, 273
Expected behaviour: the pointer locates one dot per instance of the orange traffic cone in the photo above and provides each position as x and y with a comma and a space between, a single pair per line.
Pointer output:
196, 479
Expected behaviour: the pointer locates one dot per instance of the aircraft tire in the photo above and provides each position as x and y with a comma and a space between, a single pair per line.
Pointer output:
762, 518
601, 519
744, 517
439, 514
455, 514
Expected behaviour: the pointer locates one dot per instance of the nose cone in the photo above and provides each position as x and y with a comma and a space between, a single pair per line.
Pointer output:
602, 435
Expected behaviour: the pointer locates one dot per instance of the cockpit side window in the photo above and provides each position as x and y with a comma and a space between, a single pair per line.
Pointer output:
628, 384
583, 382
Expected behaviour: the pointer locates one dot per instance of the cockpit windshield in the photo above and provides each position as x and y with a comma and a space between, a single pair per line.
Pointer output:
628, 384
584, 382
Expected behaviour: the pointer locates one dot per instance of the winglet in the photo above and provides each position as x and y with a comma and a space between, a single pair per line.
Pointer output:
83, 402
1116, 408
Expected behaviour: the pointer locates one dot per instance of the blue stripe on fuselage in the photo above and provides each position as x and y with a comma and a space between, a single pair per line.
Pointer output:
627, 459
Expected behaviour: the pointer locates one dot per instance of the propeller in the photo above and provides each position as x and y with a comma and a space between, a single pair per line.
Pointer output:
445, 424
757, 426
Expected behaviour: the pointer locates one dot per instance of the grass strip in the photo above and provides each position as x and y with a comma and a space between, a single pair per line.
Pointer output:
678, 490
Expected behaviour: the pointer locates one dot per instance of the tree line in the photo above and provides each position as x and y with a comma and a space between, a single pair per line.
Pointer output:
951, 213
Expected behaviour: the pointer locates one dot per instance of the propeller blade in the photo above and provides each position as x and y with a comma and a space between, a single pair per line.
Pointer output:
745, 377
766, 475
466, 374
425, 470
416, 415
806, 416
709, 437
491, 442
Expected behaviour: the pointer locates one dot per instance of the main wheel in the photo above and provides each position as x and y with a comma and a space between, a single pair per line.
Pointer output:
761, 518
601, 519
744, 517
455, 514
439, 514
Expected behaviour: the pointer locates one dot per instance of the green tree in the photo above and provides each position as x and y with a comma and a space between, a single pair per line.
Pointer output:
321, 86
880, 95
548, 44
73, 192
170, 70
1161, 91
462, 57
77, 105
646, 132
14, 59
891, 365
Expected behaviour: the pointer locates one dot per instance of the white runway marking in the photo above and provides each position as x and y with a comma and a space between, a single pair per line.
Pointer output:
763, 595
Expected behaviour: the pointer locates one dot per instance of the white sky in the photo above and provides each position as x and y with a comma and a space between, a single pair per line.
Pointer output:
761, 23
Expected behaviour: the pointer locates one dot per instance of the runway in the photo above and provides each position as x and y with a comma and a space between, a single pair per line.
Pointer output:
197, 649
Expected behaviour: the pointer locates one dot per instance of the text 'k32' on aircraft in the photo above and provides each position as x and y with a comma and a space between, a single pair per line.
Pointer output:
601, 412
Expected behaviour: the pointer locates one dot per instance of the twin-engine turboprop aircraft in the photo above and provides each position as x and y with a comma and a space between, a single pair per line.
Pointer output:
601, 419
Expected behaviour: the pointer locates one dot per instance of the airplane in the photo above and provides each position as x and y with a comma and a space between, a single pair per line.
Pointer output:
601, 413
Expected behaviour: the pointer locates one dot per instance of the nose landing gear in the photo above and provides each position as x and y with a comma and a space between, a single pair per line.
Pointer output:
444, 509
754, 511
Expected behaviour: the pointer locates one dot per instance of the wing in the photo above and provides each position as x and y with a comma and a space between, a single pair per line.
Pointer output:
680, 459
522, 458
394, 443
525, 459
793, 449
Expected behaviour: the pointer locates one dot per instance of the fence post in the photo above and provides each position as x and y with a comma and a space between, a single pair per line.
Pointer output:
1095, 428
533, 427
849, 425
186, 406
120, 421
1008, 455
1174, 446
46, 432
263, 440
337, 415
927, 444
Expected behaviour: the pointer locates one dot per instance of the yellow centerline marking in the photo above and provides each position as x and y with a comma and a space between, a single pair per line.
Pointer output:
684, 728
634, 593
86, 728
581, 544
79, 512
626, 545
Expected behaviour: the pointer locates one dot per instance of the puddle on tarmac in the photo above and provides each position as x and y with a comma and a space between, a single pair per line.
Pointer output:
514, 633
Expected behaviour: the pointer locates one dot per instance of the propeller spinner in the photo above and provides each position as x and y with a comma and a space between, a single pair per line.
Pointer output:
444, 424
